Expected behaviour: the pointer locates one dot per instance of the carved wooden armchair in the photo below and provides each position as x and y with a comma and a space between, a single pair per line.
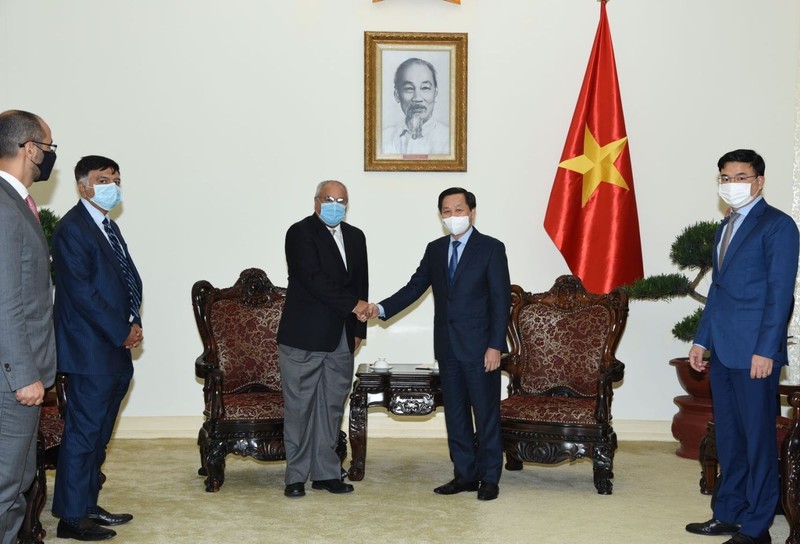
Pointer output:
241, 373
562, 366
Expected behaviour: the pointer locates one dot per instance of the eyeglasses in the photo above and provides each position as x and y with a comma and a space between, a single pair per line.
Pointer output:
51, 146
734, 179
331, 200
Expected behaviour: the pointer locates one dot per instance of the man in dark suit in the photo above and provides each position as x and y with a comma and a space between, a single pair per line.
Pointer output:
97, 322
27, 343
322, 324
472, 299
744, 326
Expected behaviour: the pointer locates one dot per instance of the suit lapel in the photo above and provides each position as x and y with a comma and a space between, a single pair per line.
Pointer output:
468, 253
748, 224
328, 242
101, 240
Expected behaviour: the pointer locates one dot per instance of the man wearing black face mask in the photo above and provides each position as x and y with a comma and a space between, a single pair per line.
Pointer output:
27, 342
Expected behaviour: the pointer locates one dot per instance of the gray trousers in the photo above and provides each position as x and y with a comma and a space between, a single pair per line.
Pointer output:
315, 388
18, 429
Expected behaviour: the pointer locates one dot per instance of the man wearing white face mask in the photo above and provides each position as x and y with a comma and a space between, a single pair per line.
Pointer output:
97, 323
744, 326
468, 272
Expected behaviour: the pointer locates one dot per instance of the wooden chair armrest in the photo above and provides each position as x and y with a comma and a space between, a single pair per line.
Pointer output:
203, 367
510, 363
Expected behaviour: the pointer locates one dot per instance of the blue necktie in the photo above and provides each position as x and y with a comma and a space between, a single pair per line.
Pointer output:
134, 296
453, 261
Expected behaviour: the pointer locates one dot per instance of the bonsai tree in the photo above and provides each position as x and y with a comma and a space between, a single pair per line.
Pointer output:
691, 250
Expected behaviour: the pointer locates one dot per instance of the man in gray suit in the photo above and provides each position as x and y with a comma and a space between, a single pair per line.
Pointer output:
27, 345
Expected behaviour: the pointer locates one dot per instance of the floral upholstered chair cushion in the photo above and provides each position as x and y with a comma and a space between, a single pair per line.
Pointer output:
561, 352
247, 348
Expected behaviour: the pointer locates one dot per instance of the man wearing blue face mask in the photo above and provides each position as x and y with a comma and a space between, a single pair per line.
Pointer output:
322, 324
97, 323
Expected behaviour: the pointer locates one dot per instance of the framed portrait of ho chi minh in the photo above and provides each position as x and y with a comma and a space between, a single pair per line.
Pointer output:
415, 101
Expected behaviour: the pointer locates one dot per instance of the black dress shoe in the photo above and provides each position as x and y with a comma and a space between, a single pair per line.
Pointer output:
713, 527
101, 516
488, 491
332, 486
741, 538
456, 486
85, 530
295, 490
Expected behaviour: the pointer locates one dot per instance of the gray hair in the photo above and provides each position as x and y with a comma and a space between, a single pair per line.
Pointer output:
322, 184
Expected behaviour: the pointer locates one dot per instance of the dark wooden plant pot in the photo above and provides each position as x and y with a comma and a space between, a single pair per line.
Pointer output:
694, 408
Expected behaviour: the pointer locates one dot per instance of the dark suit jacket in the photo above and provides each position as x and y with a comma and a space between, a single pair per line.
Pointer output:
92, 308
322, 294
472, 314
27, 343
751, 297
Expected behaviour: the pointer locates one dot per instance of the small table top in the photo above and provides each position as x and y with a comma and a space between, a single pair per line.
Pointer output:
398, 368
397, 375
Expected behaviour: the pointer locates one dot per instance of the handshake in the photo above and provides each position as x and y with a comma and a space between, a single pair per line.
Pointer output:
366, 310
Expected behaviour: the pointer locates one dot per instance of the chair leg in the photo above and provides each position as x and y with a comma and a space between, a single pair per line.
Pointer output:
513, 462
201, 440
790, 484
341, 446
709, 466
603, 464
214, 463
32, 531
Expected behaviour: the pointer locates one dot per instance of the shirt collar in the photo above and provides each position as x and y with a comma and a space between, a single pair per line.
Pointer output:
16, 184
97, 215
744, 210
464, 238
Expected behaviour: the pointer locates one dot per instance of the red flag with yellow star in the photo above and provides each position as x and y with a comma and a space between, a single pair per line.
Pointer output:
592, 215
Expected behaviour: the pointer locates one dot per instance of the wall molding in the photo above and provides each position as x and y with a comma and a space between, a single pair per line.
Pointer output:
379, 426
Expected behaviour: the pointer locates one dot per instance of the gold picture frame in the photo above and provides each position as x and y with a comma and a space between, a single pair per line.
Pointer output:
415, 101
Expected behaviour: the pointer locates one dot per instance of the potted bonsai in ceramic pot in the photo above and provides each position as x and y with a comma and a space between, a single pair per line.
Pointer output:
691, 251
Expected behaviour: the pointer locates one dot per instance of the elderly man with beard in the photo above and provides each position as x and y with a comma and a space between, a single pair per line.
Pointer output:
415, 89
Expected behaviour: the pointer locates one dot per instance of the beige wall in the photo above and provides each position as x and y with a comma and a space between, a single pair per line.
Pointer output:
224, 116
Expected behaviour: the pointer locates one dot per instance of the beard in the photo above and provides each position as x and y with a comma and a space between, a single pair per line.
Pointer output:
416, 116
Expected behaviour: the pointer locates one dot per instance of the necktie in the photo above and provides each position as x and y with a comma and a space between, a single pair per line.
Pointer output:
337, 237
726, 237
134, 296
32, 206
453, 261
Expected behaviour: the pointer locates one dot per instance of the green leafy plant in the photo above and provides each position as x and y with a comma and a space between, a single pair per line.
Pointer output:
691, 250
48, 219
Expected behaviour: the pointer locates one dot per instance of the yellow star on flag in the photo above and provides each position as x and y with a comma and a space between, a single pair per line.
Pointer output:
597, 164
